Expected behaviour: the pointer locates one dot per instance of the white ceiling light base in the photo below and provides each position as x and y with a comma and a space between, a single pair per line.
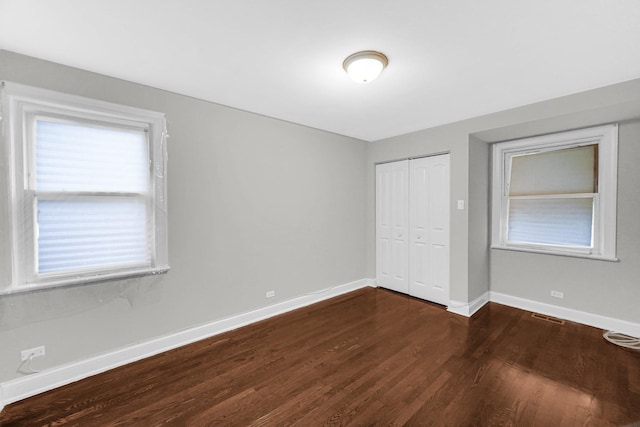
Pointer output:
365, 66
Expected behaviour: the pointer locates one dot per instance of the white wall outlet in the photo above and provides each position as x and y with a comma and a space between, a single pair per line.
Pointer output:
36, 352
461, 205
557, 294
271, 294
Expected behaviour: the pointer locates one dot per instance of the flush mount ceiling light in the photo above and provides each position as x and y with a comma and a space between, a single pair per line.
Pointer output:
365, 66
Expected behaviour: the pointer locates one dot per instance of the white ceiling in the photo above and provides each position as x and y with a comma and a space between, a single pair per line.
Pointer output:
448, 59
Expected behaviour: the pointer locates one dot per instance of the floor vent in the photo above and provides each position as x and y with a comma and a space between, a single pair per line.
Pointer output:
547, 318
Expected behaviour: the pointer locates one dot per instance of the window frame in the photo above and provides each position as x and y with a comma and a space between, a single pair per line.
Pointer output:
604, 200
21, 107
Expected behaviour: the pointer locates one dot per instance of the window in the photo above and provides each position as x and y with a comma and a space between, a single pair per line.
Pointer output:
557, 193
85, 198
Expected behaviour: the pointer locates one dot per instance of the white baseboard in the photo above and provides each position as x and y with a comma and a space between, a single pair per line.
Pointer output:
595, 320
20, 388
583, 317
468, 309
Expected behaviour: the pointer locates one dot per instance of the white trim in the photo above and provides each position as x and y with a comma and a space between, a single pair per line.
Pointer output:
595, 320
470, 308
27, 386
558, 253
21, 105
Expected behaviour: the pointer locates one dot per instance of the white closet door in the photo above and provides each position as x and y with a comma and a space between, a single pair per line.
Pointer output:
392, 225
429, 235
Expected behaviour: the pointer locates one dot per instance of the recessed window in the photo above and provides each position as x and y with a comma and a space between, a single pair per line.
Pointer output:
557, 193
86, 189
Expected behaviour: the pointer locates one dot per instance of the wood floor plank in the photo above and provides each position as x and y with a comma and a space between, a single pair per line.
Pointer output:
371, 357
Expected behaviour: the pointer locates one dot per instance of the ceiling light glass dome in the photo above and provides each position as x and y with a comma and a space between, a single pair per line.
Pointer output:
365, 66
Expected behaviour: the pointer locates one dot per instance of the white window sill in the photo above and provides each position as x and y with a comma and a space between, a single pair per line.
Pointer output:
124, 275
557, 253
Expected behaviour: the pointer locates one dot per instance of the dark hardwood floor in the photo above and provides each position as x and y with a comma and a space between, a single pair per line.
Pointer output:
371, 357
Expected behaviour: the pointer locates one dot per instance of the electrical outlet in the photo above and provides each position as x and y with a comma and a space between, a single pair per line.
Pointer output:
36, 352
271, 294
557, 294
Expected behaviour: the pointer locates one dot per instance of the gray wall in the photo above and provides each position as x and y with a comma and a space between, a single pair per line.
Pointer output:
609, 289
479, 217
255, 204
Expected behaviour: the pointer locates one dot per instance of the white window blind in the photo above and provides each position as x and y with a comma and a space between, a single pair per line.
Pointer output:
565, 222
563, 171
81, 234
81, 157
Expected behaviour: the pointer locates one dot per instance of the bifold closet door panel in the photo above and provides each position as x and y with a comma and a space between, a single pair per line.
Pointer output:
392, 225
429, 229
